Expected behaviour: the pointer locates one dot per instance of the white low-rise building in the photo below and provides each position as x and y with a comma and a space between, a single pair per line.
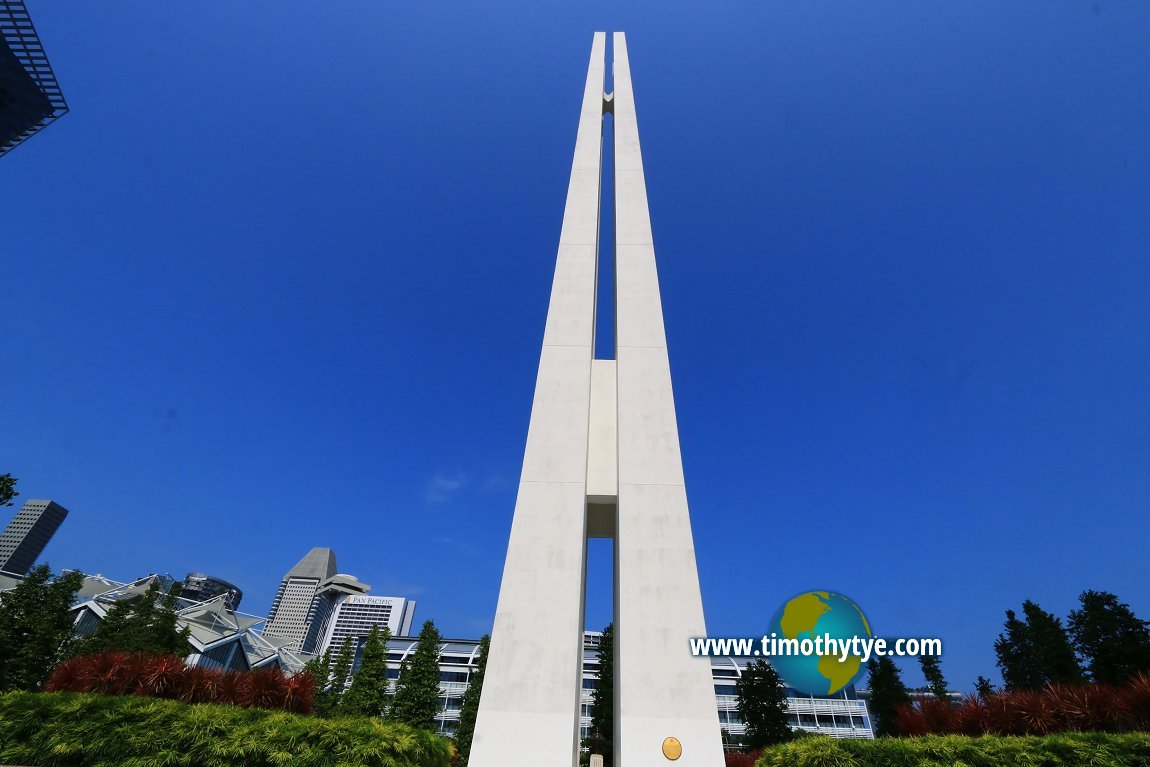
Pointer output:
842, 716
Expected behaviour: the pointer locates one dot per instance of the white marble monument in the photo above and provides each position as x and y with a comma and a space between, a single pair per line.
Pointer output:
602, 461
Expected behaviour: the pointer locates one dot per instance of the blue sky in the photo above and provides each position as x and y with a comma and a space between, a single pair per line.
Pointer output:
279, 280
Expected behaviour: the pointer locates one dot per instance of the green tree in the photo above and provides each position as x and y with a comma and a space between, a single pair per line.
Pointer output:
1035, 651
762, 706
7, 489
319, 668
367, 695
983, 688
416, 699
601, 739
35, 627
1015, 660
147, 623
887, 694
330, 674
340, 671
470, 707
932, 671
1111, 640
1052, 646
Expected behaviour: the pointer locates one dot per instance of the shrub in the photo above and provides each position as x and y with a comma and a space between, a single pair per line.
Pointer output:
86, 730
166, 676
1083, 749
739, 759
1057, 708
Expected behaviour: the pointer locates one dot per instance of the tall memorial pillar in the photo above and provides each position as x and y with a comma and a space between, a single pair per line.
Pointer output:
602, 461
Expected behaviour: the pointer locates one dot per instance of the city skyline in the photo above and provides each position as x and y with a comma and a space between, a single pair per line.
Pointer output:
908, 235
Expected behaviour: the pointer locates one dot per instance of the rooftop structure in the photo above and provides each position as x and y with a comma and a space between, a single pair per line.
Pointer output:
219, 637
199, 587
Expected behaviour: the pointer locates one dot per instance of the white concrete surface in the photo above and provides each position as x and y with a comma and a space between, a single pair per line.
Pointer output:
603, 438
660, 690
529, 709
602, 460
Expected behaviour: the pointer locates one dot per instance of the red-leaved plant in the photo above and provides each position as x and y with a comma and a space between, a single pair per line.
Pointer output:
1056, 708
166, 676
739, 759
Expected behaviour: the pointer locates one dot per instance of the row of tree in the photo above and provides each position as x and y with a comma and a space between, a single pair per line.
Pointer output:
415, 700
1102, 641
416, 697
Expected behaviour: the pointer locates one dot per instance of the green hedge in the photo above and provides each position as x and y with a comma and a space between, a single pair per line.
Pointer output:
83, 730
1069, 749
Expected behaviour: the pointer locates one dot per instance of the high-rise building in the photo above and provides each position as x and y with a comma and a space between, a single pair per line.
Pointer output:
602, 460
354, 615
293, 610
327, 597
307, 597
198, 587
30, 97
26, 536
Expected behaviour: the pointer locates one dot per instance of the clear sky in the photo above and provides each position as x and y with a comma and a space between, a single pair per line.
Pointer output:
279, 280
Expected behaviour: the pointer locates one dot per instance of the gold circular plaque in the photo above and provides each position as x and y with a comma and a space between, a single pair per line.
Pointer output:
672, 748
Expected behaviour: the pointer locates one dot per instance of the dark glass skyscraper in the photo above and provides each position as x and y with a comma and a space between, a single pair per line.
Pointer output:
30, 97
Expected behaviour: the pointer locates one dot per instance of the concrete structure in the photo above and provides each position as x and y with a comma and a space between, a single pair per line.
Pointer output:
602, 460
28, 533
353, 616
10, 581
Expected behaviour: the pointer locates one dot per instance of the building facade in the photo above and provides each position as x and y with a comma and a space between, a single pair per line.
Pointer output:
28, 533
328, 597
307, 600
293, 610
841, 716
355, 614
